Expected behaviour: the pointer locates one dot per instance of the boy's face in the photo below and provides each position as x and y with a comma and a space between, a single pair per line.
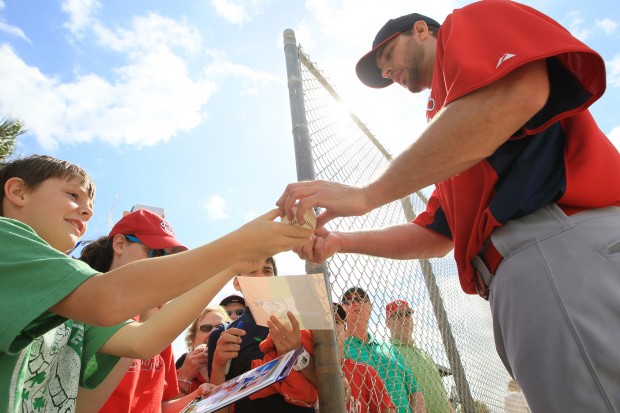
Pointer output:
58, 210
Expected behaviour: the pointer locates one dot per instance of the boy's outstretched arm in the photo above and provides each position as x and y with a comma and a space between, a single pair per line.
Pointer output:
110, 298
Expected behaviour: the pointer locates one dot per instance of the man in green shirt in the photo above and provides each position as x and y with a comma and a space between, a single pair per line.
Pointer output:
361, 346
400, 323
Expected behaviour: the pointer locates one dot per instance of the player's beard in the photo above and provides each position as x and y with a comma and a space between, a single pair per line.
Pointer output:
414, 62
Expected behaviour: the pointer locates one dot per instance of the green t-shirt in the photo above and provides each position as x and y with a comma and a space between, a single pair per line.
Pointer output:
399, 380
426, 373
43, 356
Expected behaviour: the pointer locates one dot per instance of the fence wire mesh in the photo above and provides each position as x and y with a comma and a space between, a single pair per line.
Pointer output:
343, 150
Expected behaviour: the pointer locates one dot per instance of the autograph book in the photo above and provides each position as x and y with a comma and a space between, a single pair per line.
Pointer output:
245, 384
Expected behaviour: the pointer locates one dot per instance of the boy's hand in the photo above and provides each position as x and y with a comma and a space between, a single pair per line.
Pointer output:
263, 238
228, 346
285, 339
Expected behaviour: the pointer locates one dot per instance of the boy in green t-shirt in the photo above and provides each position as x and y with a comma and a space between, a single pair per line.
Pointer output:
50, 302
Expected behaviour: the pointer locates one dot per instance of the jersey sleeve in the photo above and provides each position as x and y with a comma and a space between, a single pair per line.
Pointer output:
434, 217
34, 278
468, 60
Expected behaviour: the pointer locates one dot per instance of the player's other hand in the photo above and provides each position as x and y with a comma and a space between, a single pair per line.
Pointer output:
321, 246
285, 338
337, 200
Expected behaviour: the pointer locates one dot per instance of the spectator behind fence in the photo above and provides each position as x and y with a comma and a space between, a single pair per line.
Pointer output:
233, 351
192, 366
148, 384
361, 346
517, 161
364, 389
234, 305
50, 303
514, 401
399, 320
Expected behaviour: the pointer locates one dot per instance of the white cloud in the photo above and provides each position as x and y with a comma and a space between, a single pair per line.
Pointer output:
81, 13
613, 71
146, 101
2, 5
231, 11
253, 79
609, 26
575, 25
614, 137
13, 30
216, 208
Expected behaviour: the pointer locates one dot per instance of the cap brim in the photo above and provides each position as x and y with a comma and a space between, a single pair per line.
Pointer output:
367, 70
159, 242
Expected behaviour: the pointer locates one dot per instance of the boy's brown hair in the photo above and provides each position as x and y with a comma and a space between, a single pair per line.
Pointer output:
35, 169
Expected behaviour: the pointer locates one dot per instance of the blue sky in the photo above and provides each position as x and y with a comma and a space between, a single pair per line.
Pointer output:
184, 104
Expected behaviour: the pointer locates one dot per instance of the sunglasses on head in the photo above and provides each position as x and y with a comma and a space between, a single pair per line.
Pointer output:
351, 300
206, 328
239, 312
153, 252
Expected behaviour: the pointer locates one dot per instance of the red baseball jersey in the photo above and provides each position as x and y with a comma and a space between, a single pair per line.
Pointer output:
560, 155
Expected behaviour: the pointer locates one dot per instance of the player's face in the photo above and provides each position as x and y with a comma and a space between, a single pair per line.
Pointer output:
58, 210
404, 60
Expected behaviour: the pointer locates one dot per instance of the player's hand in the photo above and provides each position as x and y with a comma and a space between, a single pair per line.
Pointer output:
228, 345
337, 200
263, 238
321, 246
194, 361
285, 338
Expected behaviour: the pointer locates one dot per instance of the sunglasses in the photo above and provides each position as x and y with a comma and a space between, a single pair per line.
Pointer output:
207, 328
406, 314
359, 300
153, 252
239, 312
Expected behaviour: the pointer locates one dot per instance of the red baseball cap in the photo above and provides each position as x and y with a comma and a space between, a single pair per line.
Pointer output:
397, 305
151, 229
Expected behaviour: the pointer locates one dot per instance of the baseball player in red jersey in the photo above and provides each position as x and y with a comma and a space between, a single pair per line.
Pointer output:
515, 156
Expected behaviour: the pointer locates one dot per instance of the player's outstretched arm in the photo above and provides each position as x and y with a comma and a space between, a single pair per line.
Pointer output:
110, 298
402, 242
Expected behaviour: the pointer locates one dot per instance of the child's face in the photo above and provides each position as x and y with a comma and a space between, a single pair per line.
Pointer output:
58, 210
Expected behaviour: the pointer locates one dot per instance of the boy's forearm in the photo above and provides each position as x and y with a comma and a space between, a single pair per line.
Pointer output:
110, 298
145, 340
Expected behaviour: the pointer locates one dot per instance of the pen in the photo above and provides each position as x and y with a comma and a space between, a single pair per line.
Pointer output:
239, 325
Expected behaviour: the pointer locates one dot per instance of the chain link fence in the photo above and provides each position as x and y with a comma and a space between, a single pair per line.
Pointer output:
451, 327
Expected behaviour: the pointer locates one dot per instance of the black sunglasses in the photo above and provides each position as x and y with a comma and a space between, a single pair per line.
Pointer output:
239, 312
206, 328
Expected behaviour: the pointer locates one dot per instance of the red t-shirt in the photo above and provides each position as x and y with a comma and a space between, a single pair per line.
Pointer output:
145, 385
368, 393
560, 155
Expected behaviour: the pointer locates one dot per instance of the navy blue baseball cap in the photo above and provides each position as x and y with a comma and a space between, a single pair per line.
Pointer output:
366, 68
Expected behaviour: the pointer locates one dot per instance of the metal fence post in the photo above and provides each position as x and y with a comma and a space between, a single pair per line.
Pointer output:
329, 375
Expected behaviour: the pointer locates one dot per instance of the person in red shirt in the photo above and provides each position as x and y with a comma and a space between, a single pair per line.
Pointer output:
527, 190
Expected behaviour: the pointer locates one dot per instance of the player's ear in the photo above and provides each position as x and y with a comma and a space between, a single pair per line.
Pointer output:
236, 284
